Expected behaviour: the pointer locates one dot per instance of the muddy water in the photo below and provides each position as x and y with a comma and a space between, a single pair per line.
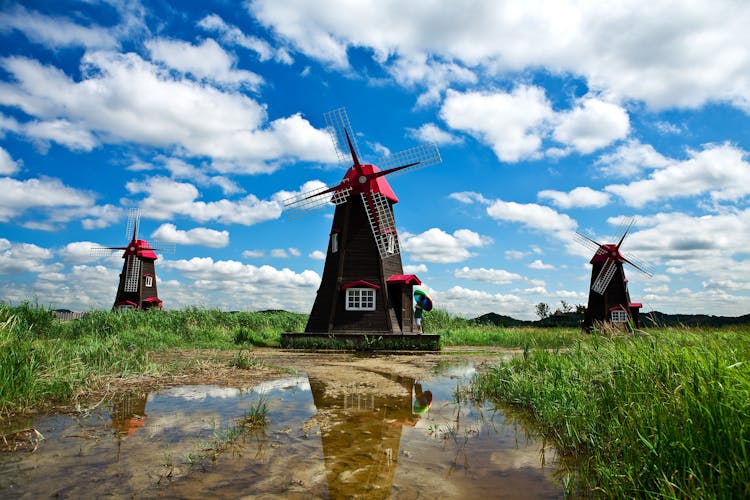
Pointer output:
343, 428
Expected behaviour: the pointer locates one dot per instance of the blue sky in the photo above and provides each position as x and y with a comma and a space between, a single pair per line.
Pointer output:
551, 118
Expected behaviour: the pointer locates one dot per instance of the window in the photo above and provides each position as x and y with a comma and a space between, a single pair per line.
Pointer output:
360, 299
619, 316
334, 242
149, 281
391, 243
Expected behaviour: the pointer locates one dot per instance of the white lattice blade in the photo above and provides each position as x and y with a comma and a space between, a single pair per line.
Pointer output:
585, 241
425, 155
103, 251
163, 247
134, 219
640, 264
382, 223
132, 273
337, 122
302, 204
605, 277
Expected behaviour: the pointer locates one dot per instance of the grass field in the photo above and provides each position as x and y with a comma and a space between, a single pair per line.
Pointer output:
662, 413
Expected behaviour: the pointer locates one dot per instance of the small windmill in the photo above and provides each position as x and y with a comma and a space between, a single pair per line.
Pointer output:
363, 289
609, 298
137, 288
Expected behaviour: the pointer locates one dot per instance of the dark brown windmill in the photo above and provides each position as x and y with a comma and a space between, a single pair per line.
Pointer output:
609, 298
364, 289
137, 287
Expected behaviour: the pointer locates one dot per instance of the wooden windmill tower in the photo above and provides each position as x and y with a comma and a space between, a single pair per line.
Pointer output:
137, 287
609, 298
364, 289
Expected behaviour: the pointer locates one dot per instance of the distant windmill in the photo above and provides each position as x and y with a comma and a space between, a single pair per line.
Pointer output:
363, 289
609, 298
137, 288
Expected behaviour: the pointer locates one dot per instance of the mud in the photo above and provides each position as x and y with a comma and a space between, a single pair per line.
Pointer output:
338, 426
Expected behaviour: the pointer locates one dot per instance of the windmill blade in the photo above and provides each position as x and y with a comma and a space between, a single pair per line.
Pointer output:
134, 220
416, 158
103, 251
301, 204
639, 264
337, 123
605, 277
382, 223
622, 230
132, 273
163, 247
587, 242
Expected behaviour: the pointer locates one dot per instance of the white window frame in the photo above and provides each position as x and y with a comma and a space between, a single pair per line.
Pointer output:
360, 299
148, 282
619, 316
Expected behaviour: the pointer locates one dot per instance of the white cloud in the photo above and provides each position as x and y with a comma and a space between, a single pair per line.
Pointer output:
167, 198
578, 197
630, 159
719, 170
78, 252
592, 125
541, 266
429, 132
496, 276
317, 255
415, 269
207, 61
44, 193
533, 216
508, 122
55, 32
232, 35
644, 50
168, 233
123, 98
252, 254
515, 254
24, 258
472, 303
435, 245
8, 166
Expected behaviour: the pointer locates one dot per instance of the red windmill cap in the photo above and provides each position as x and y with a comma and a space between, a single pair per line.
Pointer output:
376, 185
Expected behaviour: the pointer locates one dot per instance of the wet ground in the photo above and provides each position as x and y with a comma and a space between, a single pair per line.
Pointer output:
338, 426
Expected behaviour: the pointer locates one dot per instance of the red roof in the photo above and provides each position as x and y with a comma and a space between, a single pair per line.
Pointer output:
376, 185
141, 248
360, 283
636, 304
606, 252
407, 279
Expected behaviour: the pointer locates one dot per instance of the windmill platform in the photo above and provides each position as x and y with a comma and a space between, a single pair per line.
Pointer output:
361, 341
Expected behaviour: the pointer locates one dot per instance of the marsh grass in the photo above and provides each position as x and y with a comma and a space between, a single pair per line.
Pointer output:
44, 360
660, 414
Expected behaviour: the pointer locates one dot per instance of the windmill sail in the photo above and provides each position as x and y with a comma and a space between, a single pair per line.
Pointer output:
134, 219
382, 223
337, 123
132, 273
605, 276
417, 158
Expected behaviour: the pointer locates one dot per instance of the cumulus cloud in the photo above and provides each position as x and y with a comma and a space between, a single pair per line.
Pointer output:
207, 61
591, 125
429, 132
45, 194
496, 276
719, 170
166, 198
232, 35
647, 51
630, 159
415, 269
168, 233
578, 197
533, 216
317, 255
8, 166
435, 245
540, 266
467, 302
123, 98
18, 258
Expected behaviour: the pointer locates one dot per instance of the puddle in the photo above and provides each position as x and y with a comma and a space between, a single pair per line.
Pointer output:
343, 430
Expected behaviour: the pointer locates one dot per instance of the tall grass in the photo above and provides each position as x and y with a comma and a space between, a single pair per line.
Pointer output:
660, 415
44, 360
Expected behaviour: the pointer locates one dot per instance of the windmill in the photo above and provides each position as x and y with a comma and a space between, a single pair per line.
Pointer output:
363, 288
609, 298
137, 288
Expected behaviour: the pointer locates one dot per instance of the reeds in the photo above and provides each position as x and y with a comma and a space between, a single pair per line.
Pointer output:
663, 414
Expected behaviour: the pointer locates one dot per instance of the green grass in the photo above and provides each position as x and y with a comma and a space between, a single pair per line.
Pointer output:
665, 414
44, 360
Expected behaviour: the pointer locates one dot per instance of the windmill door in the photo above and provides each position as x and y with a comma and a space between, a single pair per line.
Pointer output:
400, 296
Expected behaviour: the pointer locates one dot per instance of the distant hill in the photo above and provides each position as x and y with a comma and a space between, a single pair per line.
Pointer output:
654, 318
